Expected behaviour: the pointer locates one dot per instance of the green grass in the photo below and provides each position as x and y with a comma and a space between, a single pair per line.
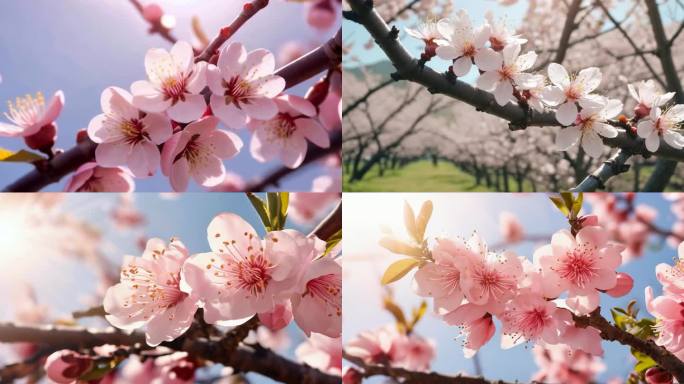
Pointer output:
416, 177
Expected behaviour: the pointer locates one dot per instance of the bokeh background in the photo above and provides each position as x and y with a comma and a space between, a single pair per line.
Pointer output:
60, 255
367, 215
84, 46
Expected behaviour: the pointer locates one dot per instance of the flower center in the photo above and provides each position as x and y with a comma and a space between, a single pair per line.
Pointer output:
573, 92
252, 274
468, 49
326, 288
492, 282
193, 152
26, 110
153, 292
133, 131
237, 91
282, 126
578, 267
174, 88
507, 72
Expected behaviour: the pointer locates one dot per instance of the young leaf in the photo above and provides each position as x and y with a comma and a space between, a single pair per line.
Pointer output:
577, 205
560, 204
332, 242
410, 221
397, 313
274, 210
260, 207
21, 156
644, 361
400, 247
418, 314
568, 199
398, 269
423, 219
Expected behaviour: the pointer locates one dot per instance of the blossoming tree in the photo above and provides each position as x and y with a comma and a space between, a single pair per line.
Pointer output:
553, 298
566, 75
184, 118
175, 313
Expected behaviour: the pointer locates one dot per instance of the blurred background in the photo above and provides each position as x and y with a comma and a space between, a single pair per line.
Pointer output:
368, 216
83, 46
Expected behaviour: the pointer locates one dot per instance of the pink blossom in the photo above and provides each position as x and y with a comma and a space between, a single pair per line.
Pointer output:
667, 310
645, 94
67, 366
244, 275
243, 85
373, 347
477, 333
125, 214
503, 72
197, 151
581, 266
441, 280
463, 44
672, 277
322, 14
413, 352
510, 227
330, 112
307, 206
530, 317
278, 340
561, 364
499, 34
285, 135
127, 136
174, 85
590, 125
176, 368
90, 177
150, 293
317, 307
662, 124
321, 352
232, 182
566, 92
29, 114
278, 318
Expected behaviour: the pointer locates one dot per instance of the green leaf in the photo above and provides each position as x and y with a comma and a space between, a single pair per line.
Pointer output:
274, 210
99, 369
260, 207
332, 241
397, 313
284, 203
560, 204
644, 361
577, 205
568, 199
619, 317
21, 156
418, 314
400, 247
398, 269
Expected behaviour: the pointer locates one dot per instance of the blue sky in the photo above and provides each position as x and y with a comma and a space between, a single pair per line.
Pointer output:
63, 283
459, 215
84, 46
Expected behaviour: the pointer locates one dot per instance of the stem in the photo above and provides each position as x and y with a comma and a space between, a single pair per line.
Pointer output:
611, 167
155, 27
609, 332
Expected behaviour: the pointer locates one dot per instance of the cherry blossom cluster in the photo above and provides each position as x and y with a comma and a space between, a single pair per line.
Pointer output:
586, 116
560, 364
171, 120
471, 285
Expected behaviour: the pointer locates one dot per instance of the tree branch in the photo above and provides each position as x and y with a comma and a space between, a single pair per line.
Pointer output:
155, 27
326, 56
609, 332
611, 167
406, 376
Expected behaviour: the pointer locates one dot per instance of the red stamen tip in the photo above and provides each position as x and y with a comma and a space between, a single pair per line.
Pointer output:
248, 7
225, 32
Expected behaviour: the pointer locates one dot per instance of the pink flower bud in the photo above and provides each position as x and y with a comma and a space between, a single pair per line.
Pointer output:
641, 111
44, 139
352, 376
624, 285
657, 375
67, 366
277, 319
153, 13
321, 15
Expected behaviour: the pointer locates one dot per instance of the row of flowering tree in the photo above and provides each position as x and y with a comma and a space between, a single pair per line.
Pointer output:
179, 315
183, 119
578, 93
550, 300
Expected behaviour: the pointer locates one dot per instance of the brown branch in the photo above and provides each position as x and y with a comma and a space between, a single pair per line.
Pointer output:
351, 106
609, 332
406, 376
249, 9
563, 43
611, 167
330, 225
320, 59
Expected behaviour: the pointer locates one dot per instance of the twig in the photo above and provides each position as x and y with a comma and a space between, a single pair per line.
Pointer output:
155, 27
611, 167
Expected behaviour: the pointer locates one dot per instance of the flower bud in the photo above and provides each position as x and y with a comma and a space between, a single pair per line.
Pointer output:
81, 135
623, 286
277, 319
352, 376
321, 15
153, 12
66, 366
657, 375
641, 111
318, 92
44, 139
588, 221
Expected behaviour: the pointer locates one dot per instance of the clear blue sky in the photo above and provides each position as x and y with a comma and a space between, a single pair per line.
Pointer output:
459, 215
63, 283
84, 46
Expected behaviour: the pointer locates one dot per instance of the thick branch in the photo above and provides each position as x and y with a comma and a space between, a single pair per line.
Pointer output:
611, 167
326, 56
563, 43
331, 224
609, 332
406, 376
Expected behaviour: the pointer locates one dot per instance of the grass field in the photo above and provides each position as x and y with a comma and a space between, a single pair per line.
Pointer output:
416, 177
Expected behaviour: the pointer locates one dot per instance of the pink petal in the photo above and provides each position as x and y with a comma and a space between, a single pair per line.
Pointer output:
260, 108
158, 127
259, 63
183, 55
186, 111
215, 80
313, 131
208, 171
120, 313
269, 86
9, 130
229, 227
566, 113
292, 155
180, 175
198, 79
225, 144
169, 151
112, 154
171, 323
262, 148
231, 59
149, 98
53, 109
144, 159
229, 114
118, 102
82, 174
595, 236
300, 105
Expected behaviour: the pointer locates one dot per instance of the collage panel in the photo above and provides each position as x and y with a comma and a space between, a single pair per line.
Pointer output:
170, 288
513, 288
170, 96
513, 96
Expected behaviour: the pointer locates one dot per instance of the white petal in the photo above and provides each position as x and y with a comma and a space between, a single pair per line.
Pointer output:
488, 81
567, 137
653, 141
592, 144
605, 130
488, 59
644, 128
447, 52
553, 95
673, 139
590, 78
558, 75
462, 66
503, 92
566, 113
